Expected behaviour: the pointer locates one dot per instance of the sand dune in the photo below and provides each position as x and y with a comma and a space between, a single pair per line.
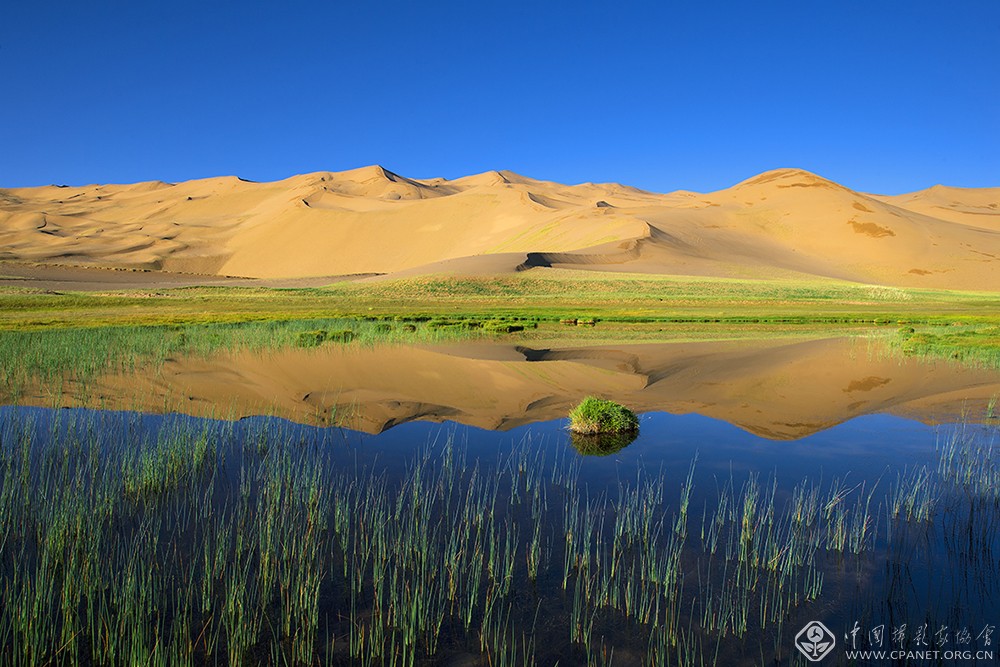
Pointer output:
779, 389
785, 222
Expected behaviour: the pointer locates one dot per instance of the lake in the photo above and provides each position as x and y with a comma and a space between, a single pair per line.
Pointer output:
426, 505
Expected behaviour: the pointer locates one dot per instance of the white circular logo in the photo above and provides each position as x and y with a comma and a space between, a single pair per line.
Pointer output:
815, 641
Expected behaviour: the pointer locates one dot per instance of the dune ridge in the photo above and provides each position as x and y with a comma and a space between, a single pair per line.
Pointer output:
782, 223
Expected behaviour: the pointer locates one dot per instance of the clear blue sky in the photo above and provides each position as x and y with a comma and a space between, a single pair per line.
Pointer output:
880, 95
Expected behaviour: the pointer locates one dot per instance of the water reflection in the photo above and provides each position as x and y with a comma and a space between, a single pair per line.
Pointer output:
777, 389
602, 444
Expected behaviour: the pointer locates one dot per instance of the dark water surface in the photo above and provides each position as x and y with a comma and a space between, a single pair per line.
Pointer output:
132, 538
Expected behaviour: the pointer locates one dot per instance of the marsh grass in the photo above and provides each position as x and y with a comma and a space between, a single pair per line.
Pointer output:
52, 356
135, 540
973, 345
595, 416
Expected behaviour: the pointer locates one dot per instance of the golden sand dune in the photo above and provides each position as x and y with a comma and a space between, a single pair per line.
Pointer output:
781, 223
779, 389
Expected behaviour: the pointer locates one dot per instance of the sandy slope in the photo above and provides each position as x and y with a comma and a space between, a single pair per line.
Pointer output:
782, 223
779, 389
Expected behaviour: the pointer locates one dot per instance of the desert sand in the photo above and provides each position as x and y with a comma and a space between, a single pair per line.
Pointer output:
783, 223
778, 389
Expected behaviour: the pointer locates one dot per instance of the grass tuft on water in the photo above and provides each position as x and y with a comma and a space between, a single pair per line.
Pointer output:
597, 415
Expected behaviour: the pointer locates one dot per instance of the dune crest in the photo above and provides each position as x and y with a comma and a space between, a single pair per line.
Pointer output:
782, 223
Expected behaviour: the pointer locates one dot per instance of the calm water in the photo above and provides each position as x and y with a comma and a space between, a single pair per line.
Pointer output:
782, 389
425, 505
924, 583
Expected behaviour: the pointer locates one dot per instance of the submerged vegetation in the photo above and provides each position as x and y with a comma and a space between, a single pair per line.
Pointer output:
135, 540
595, 416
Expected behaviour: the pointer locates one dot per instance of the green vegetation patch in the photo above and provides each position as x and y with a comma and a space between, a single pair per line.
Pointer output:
52, 356
971, 345
550, 295
319, 336
597, 415
502, 327
310, 338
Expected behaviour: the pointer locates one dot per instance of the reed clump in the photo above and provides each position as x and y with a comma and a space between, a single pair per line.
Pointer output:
596, 415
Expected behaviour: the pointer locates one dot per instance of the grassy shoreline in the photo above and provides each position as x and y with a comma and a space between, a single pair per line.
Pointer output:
619, 298
43, 331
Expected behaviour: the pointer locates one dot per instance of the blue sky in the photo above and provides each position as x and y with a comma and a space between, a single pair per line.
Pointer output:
880, 96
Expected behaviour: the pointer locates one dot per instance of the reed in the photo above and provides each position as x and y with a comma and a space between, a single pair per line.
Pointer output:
49, 357
192, 542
